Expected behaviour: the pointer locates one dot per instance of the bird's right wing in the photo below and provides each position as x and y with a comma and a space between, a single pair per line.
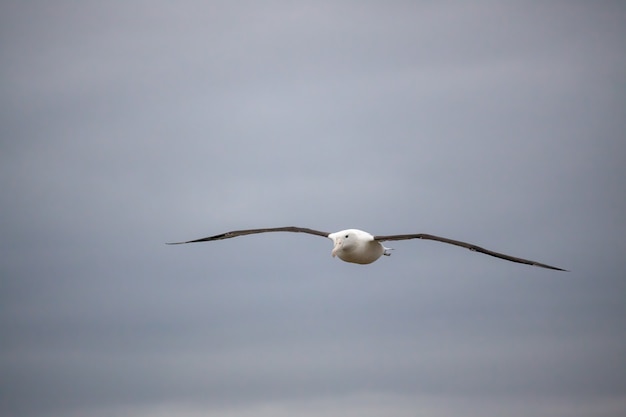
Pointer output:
236, 233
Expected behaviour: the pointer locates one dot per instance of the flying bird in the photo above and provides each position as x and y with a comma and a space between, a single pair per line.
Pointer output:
359, 247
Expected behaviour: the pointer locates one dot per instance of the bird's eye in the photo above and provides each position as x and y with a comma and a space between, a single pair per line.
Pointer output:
347, 236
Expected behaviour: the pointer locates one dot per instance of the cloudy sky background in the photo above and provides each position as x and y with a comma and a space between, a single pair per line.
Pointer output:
128, 124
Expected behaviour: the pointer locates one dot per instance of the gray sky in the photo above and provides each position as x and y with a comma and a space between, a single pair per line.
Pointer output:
129, 124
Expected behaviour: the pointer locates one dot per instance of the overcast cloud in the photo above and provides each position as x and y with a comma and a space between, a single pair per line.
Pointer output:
125, 125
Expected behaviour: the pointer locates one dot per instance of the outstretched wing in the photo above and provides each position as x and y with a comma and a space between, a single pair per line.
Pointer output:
469, 246
236, 233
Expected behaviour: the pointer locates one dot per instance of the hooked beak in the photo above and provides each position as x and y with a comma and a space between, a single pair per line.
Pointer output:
336, 248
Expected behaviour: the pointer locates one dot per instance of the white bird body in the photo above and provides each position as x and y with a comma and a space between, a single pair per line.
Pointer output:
359, 247
356, 246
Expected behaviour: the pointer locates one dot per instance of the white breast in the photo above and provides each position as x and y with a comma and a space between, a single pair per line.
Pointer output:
356, 246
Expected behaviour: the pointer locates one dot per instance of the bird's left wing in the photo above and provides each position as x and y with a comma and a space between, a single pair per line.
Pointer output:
469, 246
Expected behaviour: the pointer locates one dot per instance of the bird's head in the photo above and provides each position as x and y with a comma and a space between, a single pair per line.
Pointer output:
347, 241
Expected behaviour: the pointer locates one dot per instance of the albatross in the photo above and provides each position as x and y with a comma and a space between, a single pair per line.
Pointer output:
359, 247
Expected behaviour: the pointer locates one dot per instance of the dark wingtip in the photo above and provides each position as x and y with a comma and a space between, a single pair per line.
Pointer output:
554, 268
